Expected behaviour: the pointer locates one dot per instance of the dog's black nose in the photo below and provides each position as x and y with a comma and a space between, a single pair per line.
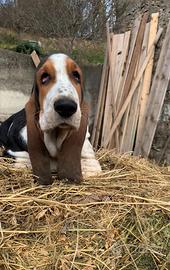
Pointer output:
65, 107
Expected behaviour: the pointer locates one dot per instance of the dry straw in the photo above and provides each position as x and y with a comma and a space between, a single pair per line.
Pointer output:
118, 220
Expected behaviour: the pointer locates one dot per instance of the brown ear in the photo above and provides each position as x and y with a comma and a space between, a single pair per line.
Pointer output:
39, 156
69, 160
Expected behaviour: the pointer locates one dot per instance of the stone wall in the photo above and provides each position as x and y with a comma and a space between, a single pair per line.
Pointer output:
136, 7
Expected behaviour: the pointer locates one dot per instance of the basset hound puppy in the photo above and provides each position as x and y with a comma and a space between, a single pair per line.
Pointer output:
52, 128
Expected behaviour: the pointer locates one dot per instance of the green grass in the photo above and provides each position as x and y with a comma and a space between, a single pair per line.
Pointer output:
83, 51
89, 55
8, 40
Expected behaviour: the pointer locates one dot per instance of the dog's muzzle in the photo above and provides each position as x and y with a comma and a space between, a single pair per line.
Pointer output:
65, 107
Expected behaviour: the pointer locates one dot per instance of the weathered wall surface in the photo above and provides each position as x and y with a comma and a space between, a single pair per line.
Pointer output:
17, 76
136, 7
161, 149
92, 75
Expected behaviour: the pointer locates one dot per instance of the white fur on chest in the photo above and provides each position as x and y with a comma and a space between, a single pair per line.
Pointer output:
53, 143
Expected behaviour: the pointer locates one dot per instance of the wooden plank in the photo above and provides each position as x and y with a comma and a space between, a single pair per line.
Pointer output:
134, 59
131, 72
146, 84
110, 108
135, 85
117, 47
110, 94
117, 75
133, 37
35, 58
157, 95
99, 109
123, 125
120, 71
130, 131
119, 41
102, 108
135, 47
110, 43
119, 64
122, 65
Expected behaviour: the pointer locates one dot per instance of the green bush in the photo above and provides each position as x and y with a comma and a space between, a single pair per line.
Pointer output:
27, 46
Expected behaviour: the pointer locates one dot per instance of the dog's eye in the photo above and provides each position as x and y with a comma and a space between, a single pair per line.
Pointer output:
45, 78
76, 76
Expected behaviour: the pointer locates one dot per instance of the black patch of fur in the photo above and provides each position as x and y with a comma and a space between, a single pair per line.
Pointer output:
10, 137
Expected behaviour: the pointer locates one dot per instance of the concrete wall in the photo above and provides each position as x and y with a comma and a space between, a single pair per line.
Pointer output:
92, 75
16, 80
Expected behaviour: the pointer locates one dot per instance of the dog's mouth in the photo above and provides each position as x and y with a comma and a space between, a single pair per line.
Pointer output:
65, 126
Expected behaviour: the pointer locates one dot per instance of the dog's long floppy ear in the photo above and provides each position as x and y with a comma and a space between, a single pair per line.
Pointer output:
69, 160
39, 156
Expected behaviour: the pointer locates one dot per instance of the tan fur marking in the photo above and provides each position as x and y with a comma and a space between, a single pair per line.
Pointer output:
45, 88
72, 66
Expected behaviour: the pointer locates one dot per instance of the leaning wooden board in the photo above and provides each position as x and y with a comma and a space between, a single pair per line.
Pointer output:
130, 131
157, 96
110, 108
100, 103
35, 58
146, 84
135, 50
121, 72
107, 112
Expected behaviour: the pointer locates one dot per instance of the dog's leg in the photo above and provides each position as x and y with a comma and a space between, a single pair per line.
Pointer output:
90, 165
21, 158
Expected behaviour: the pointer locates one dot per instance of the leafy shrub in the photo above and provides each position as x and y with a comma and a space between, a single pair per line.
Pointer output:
27, 46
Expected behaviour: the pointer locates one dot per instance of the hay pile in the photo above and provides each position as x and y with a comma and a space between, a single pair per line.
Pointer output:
119, 220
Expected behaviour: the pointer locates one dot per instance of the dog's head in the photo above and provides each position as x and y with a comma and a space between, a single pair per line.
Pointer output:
59, 94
